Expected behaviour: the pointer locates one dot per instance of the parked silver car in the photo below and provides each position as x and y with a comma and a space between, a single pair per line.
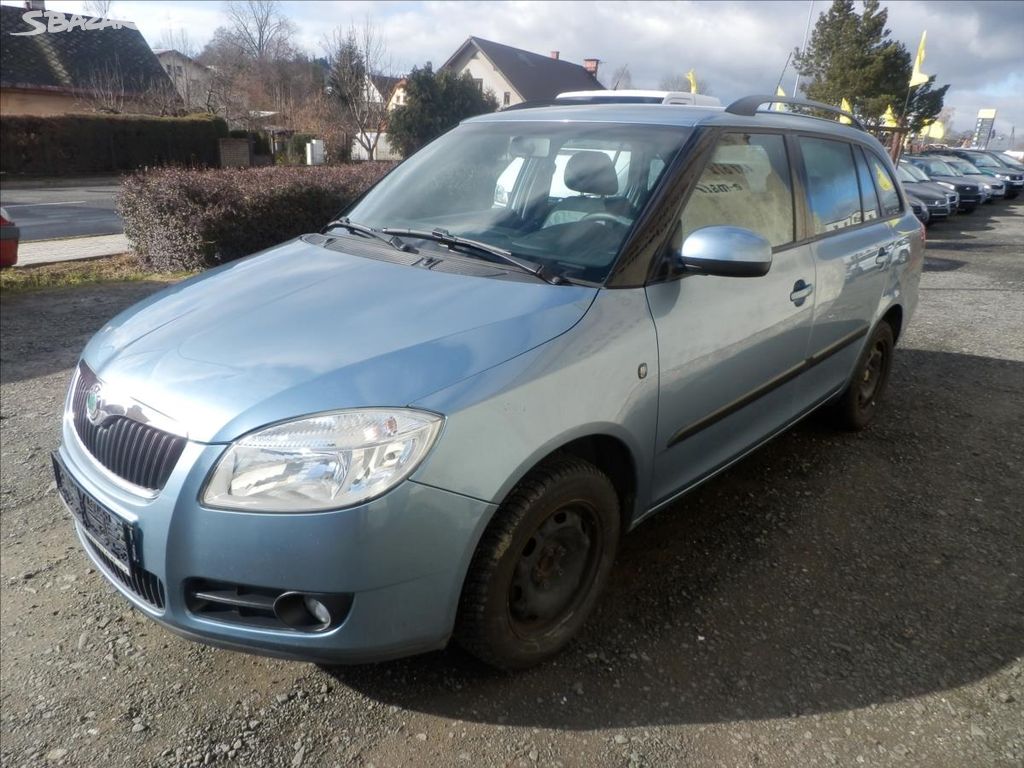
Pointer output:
438, 416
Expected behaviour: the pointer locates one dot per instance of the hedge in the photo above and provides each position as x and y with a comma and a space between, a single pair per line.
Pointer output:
64, 145
179, 219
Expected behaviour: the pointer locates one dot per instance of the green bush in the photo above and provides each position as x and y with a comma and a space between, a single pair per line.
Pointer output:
65, 145
177, 219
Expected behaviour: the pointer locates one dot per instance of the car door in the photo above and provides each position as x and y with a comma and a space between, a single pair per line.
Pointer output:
852, 201
729, 347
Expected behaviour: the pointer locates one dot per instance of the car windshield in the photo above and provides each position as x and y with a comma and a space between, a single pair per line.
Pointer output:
985, 161
963, 166
905, 176
559, 194
914, 171
935, 167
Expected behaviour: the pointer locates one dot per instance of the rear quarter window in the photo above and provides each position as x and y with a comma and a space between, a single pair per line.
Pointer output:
888, 194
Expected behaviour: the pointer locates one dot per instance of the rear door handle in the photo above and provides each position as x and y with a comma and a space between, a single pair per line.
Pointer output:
882, 259
801, 291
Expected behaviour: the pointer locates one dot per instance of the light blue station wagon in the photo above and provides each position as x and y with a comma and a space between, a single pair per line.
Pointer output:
437, 417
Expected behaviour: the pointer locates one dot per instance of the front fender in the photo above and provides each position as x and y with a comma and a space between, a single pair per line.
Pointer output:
503, 421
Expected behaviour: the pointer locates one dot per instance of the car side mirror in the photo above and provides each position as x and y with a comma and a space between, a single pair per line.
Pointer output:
727, 252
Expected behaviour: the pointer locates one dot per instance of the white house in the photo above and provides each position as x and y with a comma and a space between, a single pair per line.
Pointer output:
191, 79
515, 75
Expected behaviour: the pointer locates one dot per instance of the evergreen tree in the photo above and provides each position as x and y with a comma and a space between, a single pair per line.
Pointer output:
435, 103
851, 56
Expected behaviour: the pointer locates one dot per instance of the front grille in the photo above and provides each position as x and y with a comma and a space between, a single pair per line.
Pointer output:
136, 452
140, 582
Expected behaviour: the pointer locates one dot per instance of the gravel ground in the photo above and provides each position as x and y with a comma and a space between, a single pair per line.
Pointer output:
835, 599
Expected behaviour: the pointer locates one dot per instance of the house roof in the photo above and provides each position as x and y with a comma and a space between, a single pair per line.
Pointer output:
68, 62
534, 76
385, 84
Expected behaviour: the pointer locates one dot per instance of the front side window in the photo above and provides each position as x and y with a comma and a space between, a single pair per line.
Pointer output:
562, 194
746, 184
832, 189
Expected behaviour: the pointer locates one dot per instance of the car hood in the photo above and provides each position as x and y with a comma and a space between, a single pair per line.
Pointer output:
926, 190
301, 328
980, 178
958, 181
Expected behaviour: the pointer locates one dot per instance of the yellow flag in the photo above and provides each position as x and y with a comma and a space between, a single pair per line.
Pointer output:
693, 81
934, 130
918, 77
845, 106
779, 107
889, 119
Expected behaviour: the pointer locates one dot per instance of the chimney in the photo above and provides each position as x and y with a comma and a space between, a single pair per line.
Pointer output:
591, 66
35, 5
554, 55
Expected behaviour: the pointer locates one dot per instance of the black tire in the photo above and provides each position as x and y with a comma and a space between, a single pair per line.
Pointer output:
540, 566
855, 408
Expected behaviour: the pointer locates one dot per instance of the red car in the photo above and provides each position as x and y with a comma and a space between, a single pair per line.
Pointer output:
9, 234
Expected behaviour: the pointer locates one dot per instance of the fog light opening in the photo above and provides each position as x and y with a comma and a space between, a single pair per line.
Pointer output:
303, 612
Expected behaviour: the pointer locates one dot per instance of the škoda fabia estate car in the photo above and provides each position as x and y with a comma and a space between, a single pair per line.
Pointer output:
437, 417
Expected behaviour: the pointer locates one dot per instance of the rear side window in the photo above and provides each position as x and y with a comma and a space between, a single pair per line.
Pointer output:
887, 192
746, 184
832, 189
868, 198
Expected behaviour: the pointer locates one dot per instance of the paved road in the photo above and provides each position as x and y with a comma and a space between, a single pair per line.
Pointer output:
44, 212
832, 600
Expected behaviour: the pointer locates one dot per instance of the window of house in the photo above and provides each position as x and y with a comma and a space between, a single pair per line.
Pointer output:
746, 184
506, 99
479, 83
832, 190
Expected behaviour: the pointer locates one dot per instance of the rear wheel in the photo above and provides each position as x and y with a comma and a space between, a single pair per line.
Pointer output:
540, 566
855, 408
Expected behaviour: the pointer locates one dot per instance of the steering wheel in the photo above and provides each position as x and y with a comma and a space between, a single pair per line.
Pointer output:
605, 218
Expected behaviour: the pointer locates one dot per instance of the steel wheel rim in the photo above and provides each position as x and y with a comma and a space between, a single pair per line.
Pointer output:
555, 569
872, 375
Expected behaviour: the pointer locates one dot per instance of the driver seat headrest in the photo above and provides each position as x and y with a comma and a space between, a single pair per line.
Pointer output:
591, 173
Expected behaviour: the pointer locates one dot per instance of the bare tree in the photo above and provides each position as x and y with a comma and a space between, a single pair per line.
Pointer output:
621, 79
179, 40
260, 29
106, 90
679, 82
361, 79
99, 8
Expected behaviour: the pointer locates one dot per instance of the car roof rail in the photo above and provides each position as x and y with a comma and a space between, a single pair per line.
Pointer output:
748, 107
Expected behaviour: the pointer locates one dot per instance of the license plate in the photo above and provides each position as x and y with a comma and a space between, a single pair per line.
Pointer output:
115, 537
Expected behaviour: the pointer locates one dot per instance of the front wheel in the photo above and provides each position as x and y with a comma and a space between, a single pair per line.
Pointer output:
855, 408
540, 565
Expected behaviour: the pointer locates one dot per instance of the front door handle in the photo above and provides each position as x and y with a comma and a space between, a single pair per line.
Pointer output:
801, 291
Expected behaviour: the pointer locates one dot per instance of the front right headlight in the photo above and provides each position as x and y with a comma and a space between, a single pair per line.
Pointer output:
946, 184
328, 461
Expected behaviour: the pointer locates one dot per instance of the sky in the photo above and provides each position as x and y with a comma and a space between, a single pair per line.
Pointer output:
738, 48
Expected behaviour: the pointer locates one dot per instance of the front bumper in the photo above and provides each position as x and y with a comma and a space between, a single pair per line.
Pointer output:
402, 558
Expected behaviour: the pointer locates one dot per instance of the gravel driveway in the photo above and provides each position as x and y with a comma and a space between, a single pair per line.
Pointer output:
834, 599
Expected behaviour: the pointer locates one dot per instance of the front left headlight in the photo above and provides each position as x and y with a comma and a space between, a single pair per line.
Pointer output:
322, 462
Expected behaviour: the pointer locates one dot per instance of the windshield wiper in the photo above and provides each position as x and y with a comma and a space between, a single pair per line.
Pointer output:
444, 237
362, 229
